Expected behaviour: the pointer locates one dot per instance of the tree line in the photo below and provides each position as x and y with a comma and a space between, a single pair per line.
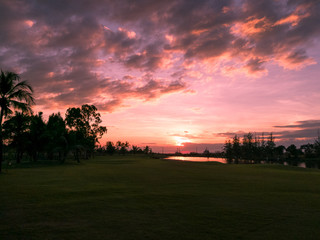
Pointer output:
122, 148
29, 135
259, 148
23, 133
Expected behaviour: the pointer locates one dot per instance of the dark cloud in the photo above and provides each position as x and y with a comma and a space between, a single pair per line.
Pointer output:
59, 46
308, 134
297, 58
308, 124
230, 134
301, 132
255, 65
110, 105
120, 42
150, 58
117, 90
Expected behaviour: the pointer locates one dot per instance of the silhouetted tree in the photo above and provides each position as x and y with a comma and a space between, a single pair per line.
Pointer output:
36, 136
236, 148
279, 151
110, 148
84, 128
308, 150
269, 148
13, 94
56, 133
122, 147
316, 146
262, 148
206, 153
15, 131
135, 149
292, 151
247, 146
228, 150
257, 154
147, 150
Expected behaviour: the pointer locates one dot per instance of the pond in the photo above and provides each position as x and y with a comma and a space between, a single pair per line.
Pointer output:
223, 160
197, 159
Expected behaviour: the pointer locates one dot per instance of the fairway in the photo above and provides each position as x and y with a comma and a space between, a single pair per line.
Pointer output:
137, 197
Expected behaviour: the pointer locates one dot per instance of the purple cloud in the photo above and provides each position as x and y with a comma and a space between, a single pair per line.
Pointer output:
65, 48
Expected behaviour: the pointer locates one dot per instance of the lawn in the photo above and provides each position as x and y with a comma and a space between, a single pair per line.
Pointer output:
137, 197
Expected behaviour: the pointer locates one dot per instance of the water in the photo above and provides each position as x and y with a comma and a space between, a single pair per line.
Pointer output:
304, 165
197, 159
301, 164
223, 160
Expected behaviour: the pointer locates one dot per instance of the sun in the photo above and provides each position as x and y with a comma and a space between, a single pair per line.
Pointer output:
179, 141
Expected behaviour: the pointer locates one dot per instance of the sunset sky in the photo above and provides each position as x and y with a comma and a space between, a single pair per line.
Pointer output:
172, 73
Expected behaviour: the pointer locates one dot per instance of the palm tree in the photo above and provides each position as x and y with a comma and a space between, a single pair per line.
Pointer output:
13, 94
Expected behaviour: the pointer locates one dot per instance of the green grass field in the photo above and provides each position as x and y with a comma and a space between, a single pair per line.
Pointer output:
136, 197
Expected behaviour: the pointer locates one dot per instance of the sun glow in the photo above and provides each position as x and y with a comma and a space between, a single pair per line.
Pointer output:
179, 141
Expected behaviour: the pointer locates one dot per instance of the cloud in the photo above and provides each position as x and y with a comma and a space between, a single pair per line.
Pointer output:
67, 50
230, 134
307, 124
296, 60
121, 42
255, 65
301, 132
116, 92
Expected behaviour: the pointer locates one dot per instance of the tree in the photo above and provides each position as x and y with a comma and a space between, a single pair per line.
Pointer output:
316, 146
270, 146
236, 148
15, 130
56, 133
110, 148
292, 151
228, 150
247, 146
122, 147
84, 126
147, 150
14, 94
308, 150
135, 149
262, 147
206, 153
36, 136
279, 150
257, 153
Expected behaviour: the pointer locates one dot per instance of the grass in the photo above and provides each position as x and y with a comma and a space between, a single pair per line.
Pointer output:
136, 197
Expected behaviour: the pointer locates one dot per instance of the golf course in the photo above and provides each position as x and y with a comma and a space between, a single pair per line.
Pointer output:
139, 197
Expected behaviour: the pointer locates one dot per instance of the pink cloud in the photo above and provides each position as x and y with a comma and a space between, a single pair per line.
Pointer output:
295, 60
208, 55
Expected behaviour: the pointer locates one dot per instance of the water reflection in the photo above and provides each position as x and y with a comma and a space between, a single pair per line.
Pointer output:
223, 160
197, 159
301, 164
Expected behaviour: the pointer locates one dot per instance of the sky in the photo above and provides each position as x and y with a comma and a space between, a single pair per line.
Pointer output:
185, 74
